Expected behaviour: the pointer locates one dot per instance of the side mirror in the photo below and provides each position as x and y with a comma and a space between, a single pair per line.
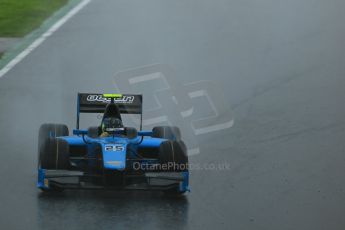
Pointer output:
79, 132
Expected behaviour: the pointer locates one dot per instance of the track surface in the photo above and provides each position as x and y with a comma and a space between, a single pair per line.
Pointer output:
281, 66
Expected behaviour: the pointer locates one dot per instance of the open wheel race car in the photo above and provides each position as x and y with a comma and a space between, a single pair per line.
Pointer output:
111, 156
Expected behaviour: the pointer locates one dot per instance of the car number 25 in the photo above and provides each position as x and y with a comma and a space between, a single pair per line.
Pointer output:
115, 148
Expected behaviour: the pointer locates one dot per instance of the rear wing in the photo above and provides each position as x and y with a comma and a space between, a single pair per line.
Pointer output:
96, 103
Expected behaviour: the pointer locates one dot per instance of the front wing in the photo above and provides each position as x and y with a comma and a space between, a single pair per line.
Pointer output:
64, 179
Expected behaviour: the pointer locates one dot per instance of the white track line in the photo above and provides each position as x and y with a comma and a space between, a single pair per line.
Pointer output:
43, 37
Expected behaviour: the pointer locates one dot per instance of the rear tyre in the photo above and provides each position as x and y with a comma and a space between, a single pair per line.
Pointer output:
131, 132
173, 156
94, 131
167, 132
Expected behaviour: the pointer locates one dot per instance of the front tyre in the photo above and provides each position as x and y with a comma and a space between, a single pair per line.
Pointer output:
173, 156
53, 153
51, 130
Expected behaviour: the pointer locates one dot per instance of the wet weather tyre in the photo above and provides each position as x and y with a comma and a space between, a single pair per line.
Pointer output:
167, 132
131, 132
54, 154
173, 156
51, 130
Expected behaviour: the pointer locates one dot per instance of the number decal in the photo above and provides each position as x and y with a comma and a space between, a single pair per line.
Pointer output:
115, 148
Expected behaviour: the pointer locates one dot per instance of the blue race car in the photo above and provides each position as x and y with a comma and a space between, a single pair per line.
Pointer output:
111, 155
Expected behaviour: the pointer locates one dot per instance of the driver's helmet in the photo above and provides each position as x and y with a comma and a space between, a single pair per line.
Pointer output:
111, 124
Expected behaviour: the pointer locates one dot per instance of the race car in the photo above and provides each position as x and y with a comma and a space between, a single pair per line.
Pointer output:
111, 155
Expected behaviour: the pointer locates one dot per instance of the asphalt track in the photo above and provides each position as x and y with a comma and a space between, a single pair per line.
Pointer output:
281, 67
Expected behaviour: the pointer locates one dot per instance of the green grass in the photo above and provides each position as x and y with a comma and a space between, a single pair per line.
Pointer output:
20, 17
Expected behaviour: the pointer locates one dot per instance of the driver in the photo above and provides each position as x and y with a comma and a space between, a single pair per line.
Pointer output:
110, 125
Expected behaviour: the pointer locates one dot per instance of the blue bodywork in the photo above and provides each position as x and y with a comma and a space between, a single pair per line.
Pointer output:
117, 154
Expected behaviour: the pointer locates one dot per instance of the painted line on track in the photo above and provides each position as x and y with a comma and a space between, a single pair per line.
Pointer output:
36, 43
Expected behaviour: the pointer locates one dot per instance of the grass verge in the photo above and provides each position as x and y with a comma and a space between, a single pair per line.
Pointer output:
20, 17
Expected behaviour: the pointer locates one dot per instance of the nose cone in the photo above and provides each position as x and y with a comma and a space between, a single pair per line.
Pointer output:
114, 156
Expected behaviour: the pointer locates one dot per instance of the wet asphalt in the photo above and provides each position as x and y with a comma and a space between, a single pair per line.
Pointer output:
277, 65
